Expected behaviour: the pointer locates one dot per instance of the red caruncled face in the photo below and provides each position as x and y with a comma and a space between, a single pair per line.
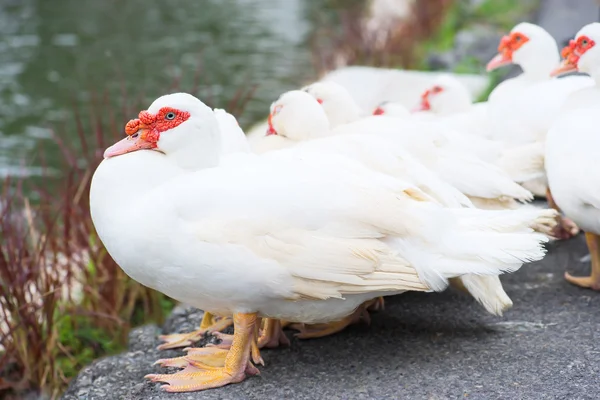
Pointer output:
576, 49
511, 43
425, 98
150, 126
143, 133
508, 45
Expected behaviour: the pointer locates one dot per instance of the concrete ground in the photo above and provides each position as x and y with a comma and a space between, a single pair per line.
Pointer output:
422, 346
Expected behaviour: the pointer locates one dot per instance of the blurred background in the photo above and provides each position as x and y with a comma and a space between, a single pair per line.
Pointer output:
72, 72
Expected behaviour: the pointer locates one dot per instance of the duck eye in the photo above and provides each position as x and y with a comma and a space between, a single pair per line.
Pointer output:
277, 109
584, 42
170, 116
518, 38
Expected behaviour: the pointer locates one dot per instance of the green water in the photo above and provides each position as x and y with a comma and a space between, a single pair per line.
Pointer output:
57, 54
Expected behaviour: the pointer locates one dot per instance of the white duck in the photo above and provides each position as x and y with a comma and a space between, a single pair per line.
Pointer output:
296, 117
369, 86
584, 43
450, 154
448, 100
297, 120
571, 150
300, 240
522, 109
337, 102
573, 178
449, 103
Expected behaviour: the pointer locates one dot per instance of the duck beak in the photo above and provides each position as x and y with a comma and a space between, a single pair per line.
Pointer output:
500, 60
130, 144
565, 67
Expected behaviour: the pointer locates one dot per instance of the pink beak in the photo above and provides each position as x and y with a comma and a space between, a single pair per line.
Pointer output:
129, 144
498, 61
564, 68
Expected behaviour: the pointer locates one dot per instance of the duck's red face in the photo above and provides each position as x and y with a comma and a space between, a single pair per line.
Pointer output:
506, 49
425, 104
144, 132
271, 129
572, 53
379, 111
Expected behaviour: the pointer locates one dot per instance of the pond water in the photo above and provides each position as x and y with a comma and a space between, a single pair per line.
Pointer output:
57, 54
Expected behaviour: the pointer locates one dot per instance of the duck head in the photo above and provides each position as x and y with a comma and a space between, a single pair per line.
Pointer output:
529, 46
337, 102
177, 125
446, 96
297, 116
583, 53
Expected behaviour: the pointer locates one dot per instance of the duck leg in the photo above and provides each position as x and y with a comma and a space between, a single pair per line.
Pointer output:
565, 228
210, 323
272, 335
312, 331
592, 281
213, 354
378, 305
198, 375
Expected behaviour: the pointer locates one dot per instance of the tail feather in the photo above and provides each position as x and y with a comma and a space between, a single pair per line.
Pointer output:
480, 242
462, 253
521, 219
488, 292
477, 178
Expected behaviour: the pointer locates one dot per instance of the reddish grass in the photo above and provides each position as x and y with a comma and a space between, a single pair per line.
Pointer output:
63, 300
50, 254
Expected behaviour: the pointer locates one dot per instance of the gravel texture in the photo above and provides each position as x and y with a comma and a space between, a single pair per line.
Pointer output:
422, 346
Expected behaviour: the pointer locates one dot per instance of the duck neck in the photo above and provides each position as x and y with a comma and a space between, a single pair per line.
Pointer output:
595, 75
194, 158
197, 147
123, 180
538, 73
540, 68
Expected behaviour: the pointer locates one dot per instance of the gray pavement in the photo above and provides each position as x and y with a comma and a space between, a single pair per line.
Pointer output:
422, 346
